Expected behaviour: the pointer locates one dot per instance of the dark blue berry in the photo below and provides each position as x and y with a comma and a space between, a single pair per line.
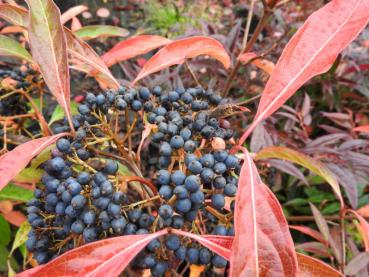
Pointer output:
119, 197
219, 261
78, 201
185, 133
219, 182
195, 167
207, 175
130, 229
83, 178
63, 145
220, 168
83, 109
218, 201
205, 256
89, 217
172, 242
52, 185
192, 183
163, 177
144, 93
180, 192
165, 149
197, 197
176, 142
187, 98
159, 269
208, 132
190, 146
153, 245
231, 161
57, 164
134, 215
180, 253
119, 224
220, 230
83, 154
136, 105
183, 205
166, 192
74, 188
77, 227
145, 220
207, 160
178, 177
165, 211
177, 222
111, 167
230, 190
90, 234
193, 255
221, 155
106, 188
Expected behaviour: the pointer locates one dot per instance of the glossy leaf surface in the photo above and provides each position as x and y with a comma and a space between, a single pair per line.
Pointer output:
178, 51
311, 51
49, 49
262, 245
133, 47
14, 161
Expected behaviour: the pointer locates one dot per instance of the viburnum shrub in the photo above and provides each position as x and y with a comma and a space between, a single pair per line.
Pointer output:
151, 177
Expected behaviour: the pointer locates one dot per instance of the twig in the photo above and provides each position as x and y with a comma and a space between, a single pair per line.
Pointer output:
192, 73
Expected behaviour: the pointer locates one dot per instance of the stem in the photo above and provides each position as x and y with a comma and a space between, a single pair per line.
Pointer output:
192, 74
304, 218
259, 28
343, 241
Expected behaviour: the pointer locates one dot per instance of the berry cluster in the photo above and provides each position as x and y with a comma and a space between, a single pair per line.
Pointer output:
85, 197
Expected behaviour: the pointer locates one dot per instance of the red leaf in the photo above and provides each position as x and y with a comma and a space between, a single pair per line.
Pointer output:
311, 51
363, 228
218, 244
72, 12
178, 51
259, 62
49, 49
310, 232
14, 14
133, 47
14, 161
14, 217
363, 129
106, 257
309, 266
262, 244
91, 62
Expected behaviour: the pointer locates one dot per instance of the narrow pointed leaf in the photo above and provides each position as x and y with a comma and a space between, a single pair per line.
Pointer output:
362, 129
14, 14
106, 257
21, 236
262, 244
91, 62
357, 263
14, 161
309, 267
12, 48
310, 232
363, 228
178, 51
95, 31
218, 244
324, 230
311, 51
72, 12
133, 47
49, 50
259, 62
317, 167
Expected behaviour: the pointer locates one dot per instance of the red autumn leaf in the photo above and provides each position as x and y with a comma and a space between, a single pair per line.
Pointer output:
363, 228
14, 217
259, 62
362, 129
72, 12
309, 266
14, 14
178, 51
49, 49
364, 211
88, 61
14, 161
133, 47
218, 244
106, 257
76, 24
262, 244
311, 51
310, 232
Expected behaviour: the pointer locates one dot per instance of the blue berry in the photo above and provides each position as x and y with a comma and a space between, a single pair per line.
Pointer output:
183, 205
180, 192
164, 162
63, 145
59, 208
190, 146
149, 261
90, 98
119, 197
83, 178
160, 111
41, 257
77, 227
66, 196
193, 255
136, 105
165, 211
207, 160
121, 104
219, 182
205, 256
231, 161
74, 188
165, 149
78, 201
99, 178
218, 201
219, 261
208, 132
134, 215
52, 185
186, 98
192, 182
159, 269
83, 109
176, 142
195, 167
163, 177
114, 209
172, 242
153, 245
100, 99
173, 96
130, 229
166, 192
51, 199
157, 90
106, 188
191, 215
177, 222
178, 177
89, 217
220, 168
90, 234
83, 154
221, 155
95, 192
189, 158
144, 93
111, 167
102, 203
230, 190
185, 133
180, 253
71, 212
220, 230
145, 220
104, 217
197, 197
207, 175
57, 164
118, 225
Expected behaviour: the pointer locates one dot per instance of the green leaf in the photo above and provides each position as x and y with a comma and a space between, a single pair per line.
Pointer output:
12, 48
297, 202
13, 192
37, 104
21, 235
4, 231
94, 31
314, 165
331, 208
42, 157
59, 114
29, 175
